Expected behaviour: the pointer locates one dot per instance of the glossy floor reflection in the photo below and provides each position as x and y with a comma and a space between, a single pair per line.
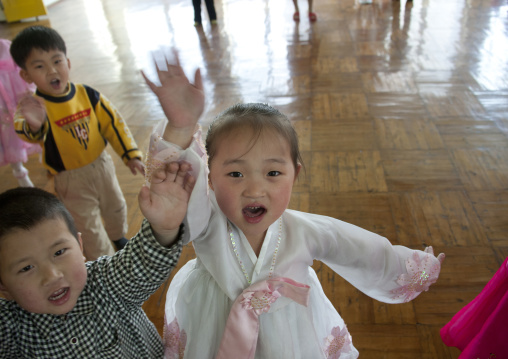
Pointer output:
401, 109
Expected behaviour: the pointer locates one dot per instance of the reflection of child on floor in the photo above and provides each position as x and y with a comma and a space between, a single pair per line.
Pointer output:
13, 150
210, 8
296, 15
251, 292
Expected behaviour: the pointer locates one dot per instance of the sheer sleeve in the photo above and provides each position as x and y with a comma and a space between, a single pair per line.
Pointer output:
161, 152
388, 273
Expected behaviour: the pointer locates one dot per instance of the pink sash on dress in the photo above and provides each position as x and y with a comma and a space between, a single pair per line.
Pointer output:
242, 327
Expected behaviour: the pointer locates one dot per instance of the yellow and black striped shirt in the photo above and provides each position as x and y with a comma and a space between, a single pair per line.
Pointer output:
78, 127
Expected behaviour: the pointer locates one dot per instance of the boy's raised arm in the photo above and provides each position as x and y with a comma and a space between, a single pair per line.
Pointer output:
165, 203
33, 111
182, 102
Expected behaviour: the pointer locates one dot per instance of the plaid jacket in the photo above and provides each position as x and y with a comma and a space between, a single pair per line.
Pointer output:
107, 321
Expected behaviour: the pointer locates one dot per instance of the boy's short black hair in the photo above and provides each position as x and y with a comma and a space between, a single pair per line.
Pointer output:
35, 37
25, 207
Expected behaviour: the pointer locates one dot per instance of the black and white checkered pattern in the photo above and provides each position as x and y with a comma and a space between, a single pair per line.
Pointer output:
107, 321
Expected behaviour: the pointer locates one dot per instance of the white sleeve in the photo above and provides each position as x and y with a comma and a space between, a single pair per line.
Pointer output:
388, 273
161, 152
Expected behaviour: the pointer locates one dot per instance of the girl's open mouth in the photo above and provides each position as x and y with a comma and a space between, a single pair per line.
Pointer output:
253, 214
253, 211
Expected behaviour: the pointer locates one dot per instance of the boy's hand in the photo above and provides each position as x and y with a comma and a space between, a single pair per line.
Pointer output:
136, 165
165, 203
182, 102
33, 110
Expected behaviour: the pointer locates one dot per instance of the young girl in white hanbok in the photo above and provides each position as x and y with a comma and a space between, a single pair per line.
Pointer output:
251, 291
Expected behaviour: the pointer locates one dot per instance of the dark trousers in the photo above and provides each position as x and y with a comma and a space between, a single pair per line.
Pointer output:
210, 7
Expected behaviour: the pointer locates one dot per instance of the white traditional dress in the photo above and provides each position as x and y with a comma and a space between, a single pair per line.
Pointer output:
228, 303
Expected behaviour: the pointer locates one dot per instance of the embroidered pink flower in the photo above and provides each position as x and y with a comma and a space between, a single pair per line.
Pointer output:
337, 343
421, 273
259, 301
174, 341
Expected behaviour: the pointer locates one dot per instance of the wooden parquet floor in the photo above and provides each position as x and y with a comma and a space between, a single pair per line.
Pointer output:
401, 109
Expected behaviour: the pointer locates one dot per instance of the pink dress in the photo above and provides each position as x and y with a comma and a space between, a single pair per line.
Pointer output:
480, 329
12, 88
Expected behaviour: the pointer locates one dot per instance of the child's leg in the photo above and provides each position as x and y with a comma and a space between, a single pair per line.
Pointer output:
210, 8
197, 11
296, 15
76, 189
21, 174
112, 202
312, 15
295, 3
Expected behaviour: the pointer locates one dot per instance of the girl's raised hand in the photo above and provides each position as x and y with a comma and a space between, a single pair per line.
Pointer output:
182, 102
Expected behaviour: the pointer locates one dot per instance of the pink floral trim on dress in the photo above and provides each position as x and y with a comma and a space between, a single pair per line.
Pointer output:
161, 152
259, 301
174, 340
337, 343
155, 161
421, 273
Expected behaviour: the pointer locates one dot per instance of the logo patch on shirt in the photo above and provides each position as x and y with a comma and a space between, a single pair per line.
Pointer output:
77, 125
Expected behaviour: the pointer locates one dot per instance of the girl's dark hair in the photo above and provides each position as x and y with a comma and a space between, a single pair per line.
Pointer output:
35, 37
257, 117
25, 207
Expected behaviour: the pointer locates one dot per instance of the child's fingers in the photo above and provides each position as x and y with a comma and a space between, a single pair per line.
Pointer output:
429, 250
156, 65
148, 82
182, 173
172, 172
167, 173
142, 170
136, 166
440, 257
144, 197
177, 59
159, 176
174, 68
174, 71
135, 169
28, 100
198, 80
185, 166
183, 170
40, 100
189, 184
173, 168
27, 96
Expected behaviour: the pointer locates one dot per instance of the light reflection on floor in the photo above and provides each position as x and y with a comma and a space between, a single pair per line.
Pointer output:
257, 53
